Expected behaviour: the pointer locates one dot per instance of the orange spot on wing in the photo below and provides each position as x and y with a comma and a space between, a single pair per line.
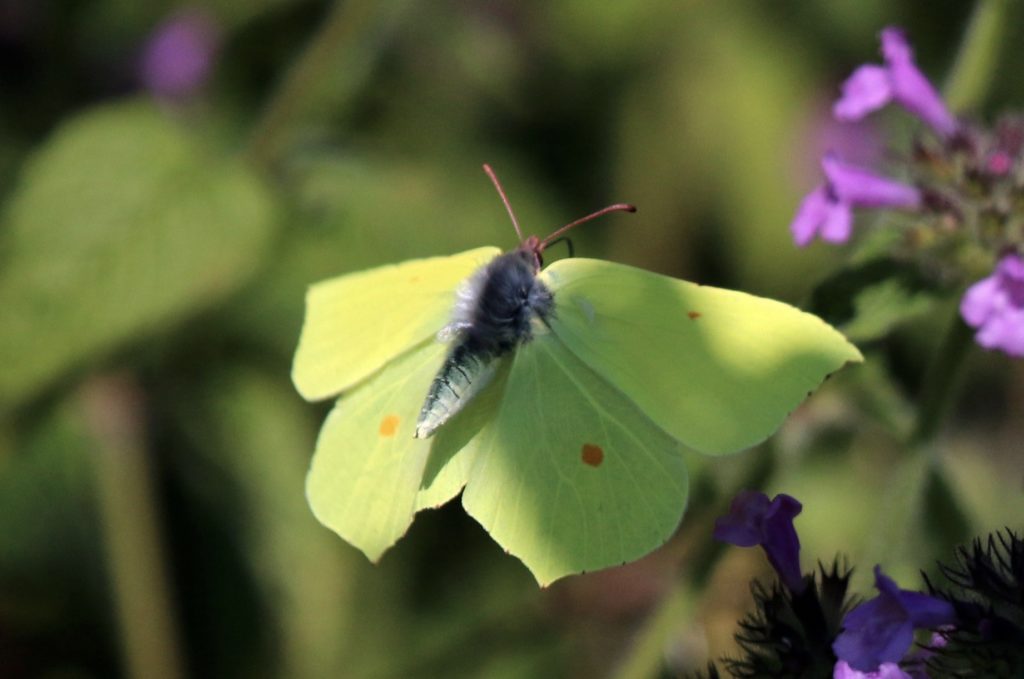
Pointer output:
592, 454
414, 279
389, 425
694, 315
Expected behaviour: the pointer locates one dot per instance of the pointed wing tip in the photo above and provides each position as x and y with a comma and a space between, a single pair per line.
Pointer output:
857, 357
304, 388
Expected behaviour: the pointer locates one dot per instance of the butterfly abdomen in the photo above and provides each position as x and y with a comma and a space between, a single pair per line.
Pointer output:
462, 376
493, 316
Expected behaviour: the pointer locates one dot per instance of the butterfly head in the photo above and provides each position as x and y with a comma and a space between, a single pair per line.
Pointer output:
531, 249
533, 246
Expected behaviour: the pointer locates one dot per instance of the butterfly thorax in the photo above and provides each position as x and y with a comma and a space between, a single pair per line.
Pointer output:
495, 313
509, 298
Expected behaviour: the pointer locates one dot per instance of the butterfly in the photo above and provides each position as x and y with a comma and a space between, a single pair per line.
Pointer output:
559, 400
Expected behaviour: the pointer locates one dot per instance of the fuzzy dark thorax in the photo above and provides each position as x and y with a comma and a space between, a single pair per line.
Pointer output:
510, 297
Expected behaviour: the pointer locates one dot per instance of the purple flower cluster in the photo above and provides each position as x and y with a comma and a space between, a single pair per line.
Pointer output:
888, 670
828, 210
881, 631
877, 634
990, 164
807, 626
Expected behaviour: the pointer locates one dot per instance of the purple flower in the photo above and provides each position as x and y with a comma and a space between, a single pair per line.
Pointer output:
754, 520
995, 306
888, 670
179, 55
999, 163
872, 87
828, 210
881, 630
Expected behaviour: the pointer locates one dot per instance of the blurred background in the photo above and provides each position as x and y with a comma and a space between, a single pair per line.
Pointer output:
174, 176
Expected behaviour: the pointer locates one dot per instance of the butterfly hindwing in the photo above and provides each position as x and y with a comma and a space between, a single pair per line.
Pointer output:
357, 323
367, 467
369, 475
717, 369
571, 475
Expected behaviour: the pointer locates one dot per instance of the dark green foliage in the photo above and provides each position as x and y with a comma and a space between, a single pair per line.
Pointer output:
790, 634
869, 299
985, 584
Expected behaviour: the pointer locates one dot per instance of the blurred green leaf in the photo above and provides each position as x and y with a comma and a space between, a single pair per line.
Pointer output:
988, 489
711, 142
122, 224
869, 299
574, 27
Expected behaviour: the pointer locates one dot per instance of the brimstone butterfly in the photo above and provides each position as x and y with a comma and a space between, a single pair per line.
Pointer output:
565, 427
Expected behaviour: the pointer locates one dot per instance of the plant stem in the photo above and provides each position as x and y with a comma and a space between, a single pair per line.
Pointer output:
348, 18
646, 653
939, 384
112, 409
971, 76
966, 88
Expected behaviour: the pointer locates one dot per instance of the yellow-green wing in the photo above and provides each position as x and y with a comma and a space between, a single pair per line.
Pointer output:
717, 369
369, 475
358, 322
570, 475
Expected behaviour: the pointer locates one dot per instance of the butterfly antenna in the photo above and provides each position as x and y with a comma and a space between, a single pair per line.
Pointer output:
618, 207
504, 199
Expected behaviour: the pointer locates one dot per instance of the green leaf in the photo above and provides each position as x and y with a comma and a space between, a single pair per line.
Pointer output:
122, 225
717, 369
867, 300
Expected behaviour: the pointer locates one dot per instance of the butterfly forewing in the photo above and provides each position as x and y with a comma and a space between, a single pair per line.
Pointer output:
717, 369
357, 323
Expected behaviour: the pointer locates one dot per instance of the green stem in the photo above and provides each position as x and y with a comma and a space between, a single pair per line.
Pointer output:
971, 76
646, 653
966, 88
112, 410
939, 385
347, 19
